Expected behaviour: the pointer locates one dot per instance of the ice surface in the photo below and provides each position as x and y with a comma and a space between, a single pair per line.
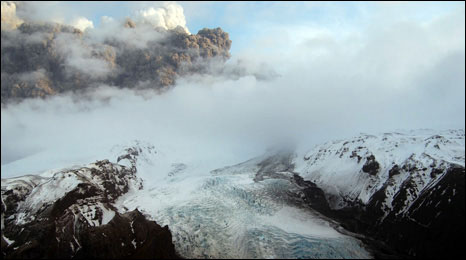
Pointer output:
225, 214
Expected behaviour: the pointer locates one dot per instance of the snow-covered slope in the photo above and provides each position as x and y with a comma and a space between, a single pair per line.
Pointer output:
406, 189
38, 192
73, 210
354, 170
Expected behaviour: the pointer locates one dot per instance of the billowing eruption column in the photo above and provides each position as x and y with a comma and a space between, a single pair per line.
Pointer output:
39, 59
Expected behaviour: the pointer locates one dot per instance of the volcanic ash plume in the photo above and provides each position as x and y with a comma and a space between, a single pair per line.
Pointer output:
42, 58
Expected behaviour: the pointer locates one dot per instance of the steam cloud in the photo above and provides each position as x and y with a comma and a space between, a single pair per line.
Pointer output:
82, 23
169, 16
9, 18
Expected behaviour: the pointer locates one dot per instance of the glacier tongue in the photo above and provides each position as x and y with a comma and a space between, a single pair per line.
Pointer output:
226, 214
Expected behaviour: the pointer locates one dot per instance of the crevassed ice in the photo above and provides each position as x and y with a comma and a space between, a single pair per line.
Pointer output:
230, 216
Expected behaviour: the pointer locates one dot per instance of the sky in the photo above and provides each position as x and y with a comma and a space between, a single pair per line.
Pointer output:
343, 68
246, 20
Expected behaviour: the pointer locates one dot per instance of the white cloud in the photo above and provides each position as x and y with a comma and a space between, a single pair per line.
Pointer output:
9, 18
82, 23
112, 29
79, 56
168, 16
107, 20
50, 11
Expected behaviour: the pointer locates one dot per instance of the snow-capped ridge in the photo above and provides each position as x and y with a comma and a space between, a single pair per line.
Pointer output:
342, 167
77, 206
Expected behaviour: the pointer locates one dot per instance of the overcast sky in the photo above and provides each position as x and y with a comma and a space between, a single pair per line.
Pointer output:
344, 68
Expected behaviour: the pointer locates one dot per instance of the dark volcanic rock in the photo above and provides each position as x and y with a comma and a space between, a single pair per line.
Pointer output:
395, 170
81, 222
433, 226
417, 210
371, 166
409, 202
129, 235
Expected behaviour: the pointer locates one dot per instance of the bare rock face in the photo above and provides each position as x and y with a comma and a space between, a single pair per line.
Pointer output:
434, 225
71, 215
371, 166
39, 60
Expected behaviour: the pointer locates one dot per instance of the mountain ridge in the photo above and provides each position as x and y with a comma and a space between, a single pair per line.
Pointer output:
414, 208
406, 189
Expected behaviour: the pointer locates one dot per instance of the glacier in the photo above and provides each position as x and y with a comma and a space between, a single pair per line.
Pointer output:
224, 213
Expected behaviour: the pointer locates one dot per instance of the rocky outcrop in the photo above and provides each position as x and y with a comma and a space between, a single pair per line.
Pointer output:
371, 166
128, 235
39, 60
407, 203
433, 226
70, 214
